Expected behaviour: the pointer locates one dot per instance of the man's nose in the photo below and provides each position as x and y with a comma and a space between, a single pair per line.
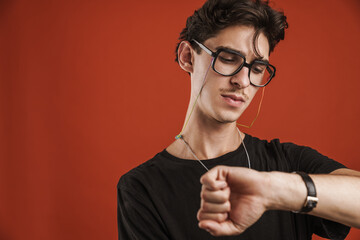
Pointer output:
241, 79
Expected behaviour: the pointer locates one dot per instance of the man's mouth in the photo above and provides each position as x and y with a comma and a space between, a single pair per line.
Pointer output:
233, 97
233, 100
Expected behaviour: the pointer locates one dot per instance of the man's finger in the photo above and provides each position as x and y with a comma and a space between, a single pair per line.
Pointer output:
215, 207
218, 217
214, 179
217, 196
220, 229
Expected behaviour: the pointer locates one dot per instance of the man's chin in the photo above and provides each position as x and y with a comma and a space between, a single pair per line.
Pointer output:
227, 120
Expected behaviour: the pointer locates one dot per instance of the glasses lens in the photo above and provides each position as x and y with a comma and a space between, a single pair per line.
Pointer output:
261, 73
227, 63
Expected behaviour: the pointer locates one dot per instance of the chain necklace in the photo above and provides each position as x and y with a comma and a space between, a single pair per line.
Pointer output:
194, 155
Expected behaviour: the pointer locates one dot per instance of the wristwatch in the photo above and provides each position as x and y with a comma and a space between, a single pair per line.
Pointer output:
311, 199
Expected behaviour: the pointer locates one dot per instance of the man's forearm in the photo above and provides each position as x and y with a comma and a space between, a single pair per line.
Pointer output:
339, 196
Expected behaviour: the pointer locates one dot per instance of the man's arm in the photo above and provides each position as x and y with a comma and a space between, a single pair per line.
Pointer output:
233, 198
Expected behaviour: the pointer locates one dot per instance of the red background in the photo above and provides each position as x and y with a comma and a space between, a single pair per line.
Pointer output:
90, 89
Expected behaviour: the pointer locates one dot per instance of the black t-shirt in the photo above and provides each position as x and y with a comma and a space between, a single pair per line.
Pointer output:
160, 198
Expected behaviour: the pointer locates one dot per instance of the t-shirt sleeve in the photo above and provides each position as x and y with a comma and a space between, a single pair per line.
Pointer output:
308, 160
137, 217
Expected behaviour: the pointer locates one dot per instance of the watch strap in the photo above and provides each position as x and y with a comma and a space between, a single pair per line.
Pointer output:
311, 198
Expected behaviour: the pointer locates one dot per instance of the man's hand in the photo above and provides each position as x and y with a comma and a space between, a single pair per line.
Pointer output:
232, 199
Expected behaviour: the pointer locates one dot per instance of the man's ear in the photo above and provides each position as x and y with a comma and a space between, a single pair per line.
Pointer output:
185, 56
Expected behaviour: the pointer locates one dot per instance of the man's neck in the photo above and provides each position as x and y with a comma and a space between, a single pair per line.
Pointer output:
207, 139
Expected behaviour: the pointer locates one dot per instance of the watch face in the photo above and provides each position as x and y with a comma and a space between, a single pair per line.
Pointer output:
311, 204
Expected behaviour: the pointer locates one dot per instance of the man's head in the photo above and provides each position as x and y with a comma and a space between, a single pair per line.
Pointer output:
246, 28
216, 15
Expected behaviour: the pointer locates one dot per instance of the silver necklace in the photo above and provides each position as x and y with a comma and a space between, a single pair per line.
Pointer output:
194, 155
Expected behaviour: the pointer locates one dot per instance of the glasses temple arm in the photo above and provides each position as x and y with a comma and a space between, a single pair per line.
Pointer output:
208, 51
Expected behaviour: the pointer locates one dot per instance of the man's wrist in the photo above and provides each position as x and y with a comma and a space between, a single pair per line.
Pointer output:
311, 197
286, 191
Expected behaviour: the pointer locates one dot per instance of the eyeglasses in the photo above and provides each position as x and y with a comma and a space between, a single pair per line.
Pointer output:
227, 62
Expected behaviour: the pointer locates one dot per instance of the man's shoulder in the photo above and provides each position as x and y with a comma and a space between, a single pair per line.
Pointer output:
299, 157
274, 142
284, 147
143, 167
274, 155
146, 172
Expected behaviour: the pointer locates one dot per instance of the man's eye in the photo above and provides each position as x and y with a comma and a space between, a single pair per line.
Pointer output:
227, 60
258, 68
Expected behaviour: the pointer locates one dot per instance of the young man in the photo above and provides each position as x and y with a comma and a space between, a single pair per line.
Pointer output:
225, 48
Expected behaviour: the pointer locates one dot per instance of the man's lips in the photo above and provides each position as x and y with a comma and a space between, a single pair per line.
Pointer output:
233, 100
233, 97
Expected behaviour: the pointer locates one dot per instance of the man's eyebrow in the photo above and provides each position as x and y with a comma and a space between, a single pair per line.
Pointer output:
241, 53
263, 60
231, 49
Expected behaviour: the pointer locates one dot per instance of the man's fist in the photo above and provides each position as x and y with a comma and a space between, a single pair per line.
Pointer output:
232, 199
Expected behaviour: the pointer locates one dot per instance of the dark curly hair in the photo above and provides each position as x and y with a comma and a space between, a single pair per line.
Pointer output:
216, 15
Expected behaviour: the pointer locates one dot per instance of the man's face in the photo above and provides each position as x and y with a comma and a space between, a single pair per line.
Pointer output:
224, 99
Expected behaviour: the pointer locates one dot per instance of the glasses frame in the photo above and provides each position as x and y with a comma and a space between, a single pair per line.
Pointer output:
244, 64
